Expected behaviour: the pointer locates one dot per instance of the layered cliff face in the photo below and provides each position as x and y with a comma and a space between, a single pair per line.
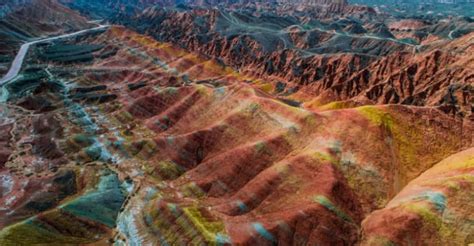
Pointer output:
146, 143
441, 76
329, 60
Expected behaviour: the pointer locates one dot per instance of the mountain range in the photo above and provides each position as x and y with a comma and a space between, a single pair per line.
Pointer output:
201, 122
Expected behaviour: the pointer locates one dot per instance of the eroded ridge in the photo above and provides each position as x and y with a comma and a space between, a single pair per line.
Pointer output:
117, 138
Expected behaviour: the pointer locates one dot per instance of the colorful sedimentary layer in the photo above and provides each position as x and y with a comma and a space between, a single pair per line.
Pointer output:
434, 209
140, 142
356, 58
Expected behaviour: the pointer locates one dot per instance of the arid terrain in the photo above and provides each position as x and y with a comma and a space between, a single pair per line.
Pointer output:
202, 122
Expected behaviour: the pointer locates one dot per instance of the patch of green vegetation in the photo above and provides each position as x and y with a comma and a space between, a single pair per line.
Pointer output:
324, 157
169, 91
124, 117
325, 202
333, 106
406, 139
142, 149
260, 147
336, 105
430, 219
213, 231
267, 87
192, 190
169, 170
190, 225
253, 108
377, 116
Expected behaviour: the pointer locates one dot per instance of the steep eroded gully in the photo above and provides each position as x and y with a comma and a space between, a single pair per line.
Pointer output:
125, 147
48, 126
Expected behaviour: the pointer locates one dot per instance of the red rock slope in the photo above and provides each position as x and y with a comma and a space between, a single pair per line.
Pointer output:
212, 158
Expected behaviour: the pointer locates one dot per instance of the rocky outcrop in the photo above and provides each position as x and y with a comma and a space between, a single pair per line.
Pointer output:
255, 138
430, 78
326, 62
433, 208
187, 151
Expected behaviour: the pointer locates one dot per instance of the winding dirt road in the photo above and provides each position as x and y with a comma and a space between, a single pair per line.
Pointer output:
18, 61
